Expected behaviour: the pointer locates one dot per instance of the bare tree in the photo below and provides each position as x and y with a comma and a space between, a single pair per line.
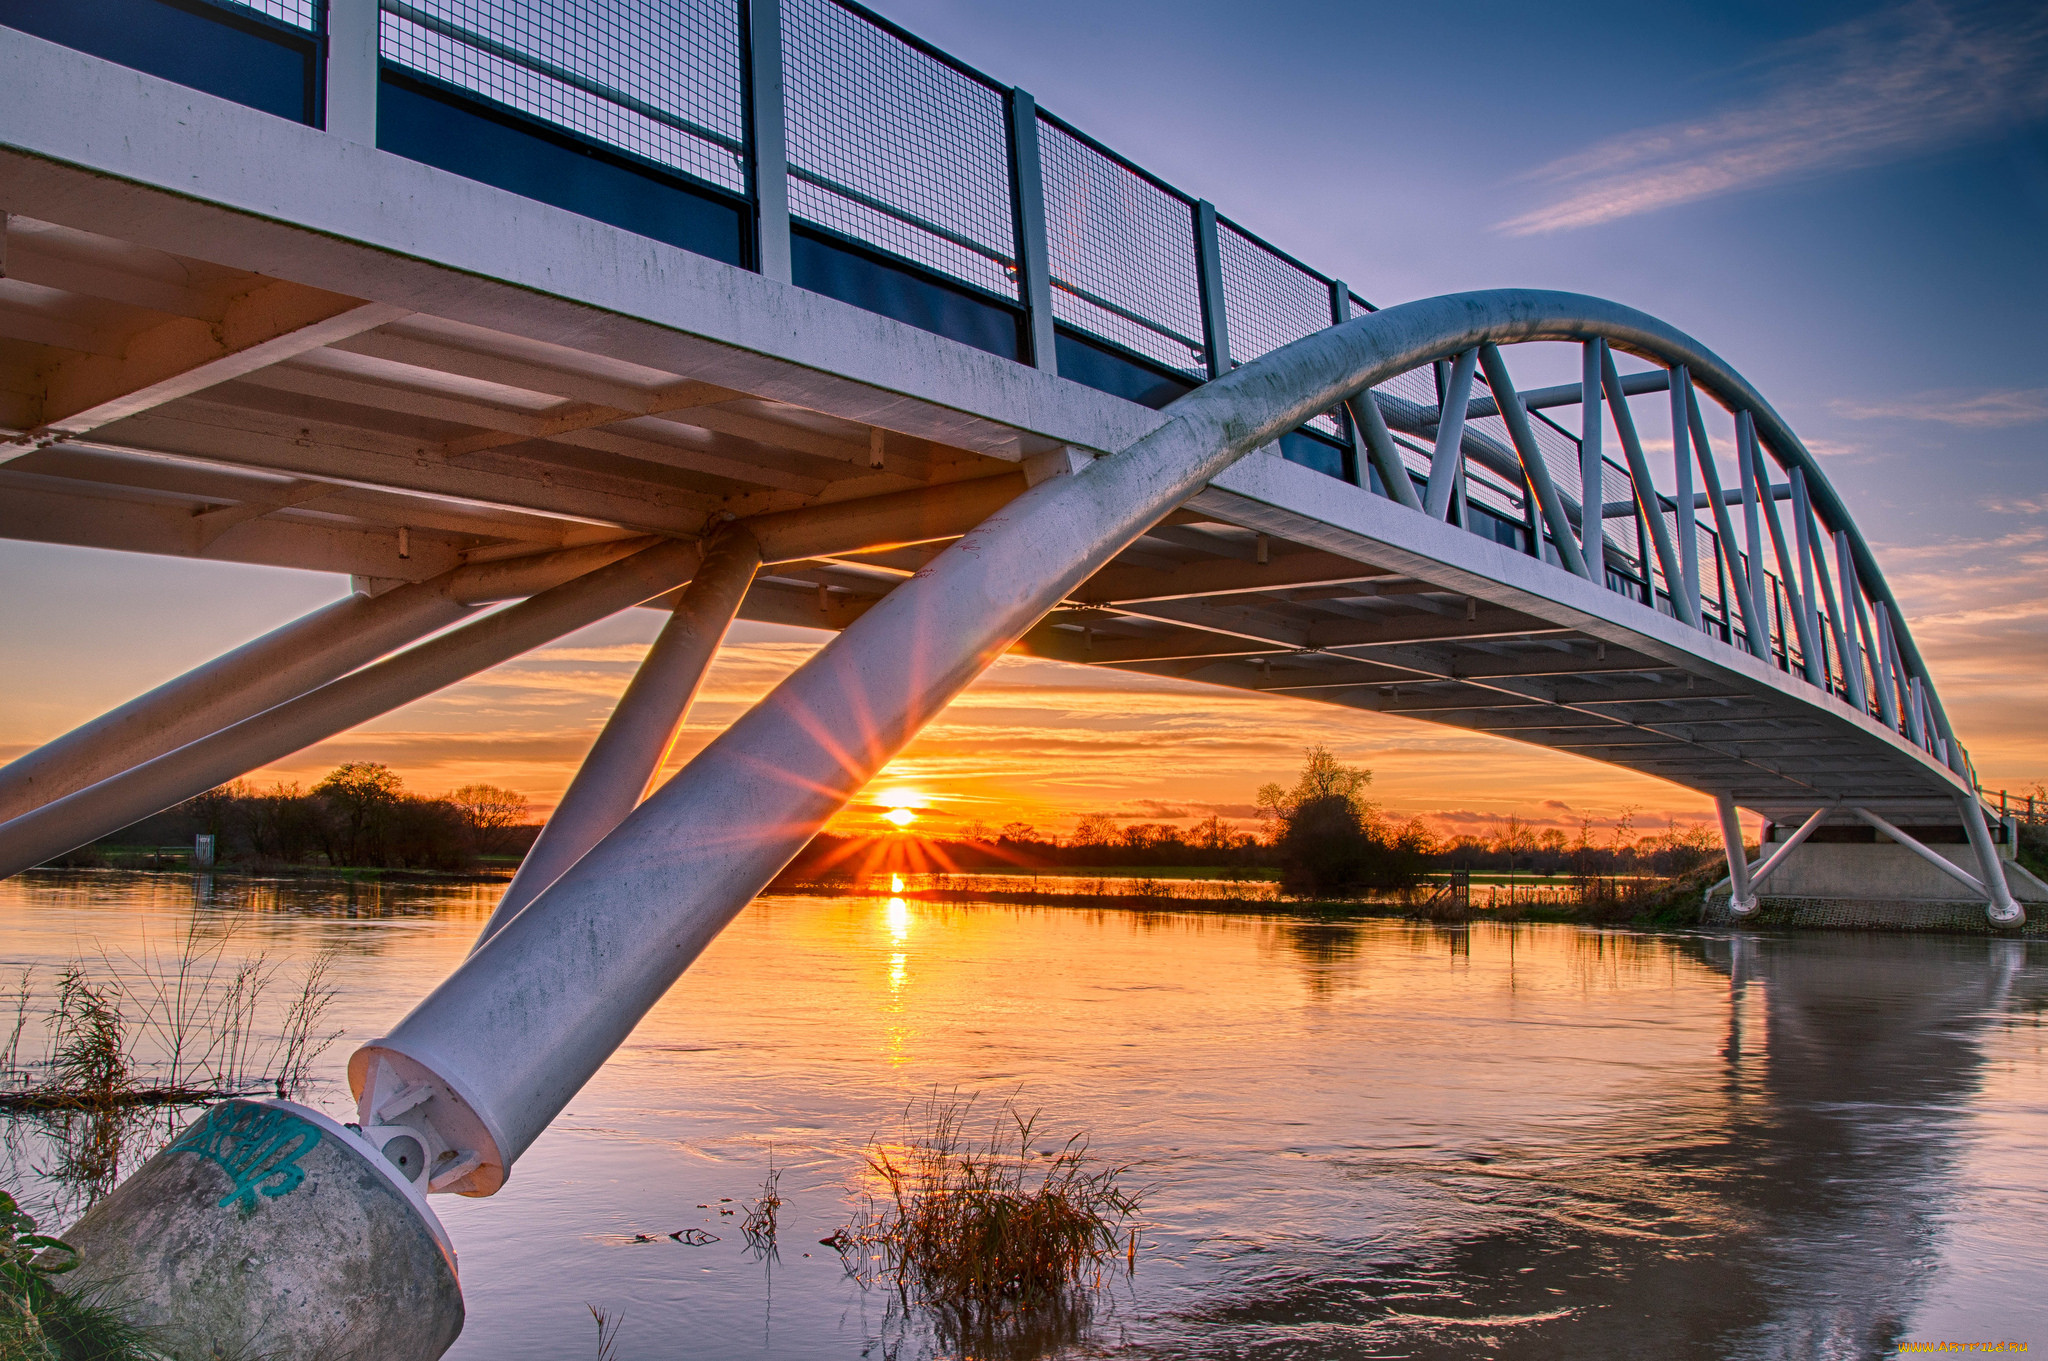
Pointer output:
490, 813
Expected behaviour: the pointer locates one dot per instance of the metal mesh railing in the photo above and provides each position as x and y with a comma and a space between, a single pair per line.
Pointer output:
1122, 252
303, 14
1269, 302
893, 147
659, 79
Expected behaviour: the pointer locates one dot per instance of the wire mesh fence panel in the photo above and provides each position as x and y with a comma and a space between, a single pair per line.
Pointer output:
1617, 489
303, 14
893, 147
659, 79
1715, 602
1268, 302
1122, 252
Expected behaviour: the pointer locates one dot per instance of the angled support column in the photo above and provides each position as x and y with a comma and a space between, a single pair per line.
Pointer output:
2000, 908
288, 661
339, 705
1741, 894
642, 728
1764, 868
1371, 425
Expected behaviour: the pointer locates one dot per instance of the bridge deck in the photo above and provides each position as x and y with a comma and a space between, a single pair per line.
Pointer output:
261, 343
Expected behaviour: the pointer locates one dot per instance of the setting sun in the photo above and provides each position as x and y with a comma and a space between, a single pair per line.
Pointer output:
902, 817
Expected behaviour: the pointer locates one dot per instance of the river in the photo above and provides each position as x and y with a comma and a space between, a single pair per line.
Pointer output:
1366, 1138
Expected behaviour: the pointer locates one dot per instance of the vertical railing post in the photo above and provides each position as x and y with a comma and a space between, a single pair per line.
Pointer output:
767, 138
1034, 251
349, 86
1356, 454
1209, 271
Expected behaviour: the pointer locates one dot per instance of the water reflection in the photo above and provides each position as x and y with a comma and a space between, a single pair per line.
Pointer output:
1368, 1137
1791, 1211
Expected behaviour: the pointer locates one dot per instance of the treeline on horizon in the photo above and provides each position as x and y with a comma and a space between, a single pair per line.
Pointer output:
1322, 834
357, 816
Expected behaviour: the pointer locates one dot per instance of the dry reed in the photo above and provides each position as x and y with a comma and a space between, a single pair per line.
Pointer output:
759, 1224
988, 1229
607, 1332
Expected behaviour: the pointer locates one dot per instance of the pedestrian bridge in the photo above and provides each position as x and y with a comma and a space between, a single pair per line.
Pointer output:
775, 311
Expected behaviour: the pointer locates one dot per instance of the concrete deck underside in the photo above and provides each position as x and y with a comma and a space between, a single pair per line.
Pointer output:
279, 347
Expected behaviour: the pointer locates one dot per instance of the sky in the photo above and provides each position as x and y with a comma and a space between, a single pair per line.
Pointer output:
1849, 203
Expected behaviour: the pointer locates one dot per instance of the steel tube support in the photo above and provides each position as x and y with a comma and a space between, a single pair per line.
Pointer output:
1741, 896
636, 739
1768, 865
1646, 492
1380, 447
1592, 470
288, 661
1809, 594
339, 705
2000, 909
1540, 482
1681, 470
1930, 855
1445, 461
1809, 646
1753, 487
1856, 629
1724, 525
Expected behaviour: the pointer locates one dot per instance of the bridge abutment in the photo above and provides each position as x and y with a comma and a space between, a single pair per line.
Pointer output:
1847, 874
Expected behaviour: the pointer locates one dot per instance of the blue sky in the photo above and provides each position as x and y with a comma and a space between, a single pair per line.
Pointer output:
1849, 203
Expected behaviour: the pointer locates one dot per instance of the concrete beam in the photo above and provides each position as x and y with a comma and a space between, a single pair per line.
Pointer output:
175, 358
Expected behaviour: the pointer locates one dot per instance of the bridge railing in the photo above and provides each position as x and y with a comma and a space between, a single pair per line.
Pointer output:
818, 143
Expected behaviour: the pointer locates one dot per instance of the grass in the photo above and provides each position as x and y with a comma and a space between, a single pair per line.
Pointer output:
165, 1029
993, 1233
124, 1044
39, 1322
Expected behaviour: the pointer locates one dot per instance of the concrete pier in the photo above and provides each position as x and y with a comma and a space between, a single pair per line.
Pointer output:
267, 1230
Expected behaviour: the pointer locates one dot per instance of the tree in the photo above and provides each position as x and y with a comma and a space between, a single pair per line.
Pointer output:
1094, 829
1330, 841
360, 794
1017, 833
1213, 834
490, 814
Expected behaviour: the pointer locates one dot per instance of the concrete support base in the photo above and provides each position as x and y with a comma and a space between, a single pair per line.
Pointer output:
1884, 871
266, 1229
1958, 917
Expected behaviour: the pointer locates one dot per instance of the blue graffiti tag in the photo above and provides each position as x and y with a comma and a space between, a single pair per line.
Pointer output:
259, 1147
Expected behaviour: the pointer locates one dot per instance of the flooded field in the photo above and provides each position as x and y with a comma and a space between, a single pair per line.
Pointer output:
1360, 1139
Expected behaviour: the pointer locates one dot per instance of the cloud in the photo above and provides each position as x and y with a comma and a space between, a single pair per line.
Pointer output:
1993, 410
1877, 89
